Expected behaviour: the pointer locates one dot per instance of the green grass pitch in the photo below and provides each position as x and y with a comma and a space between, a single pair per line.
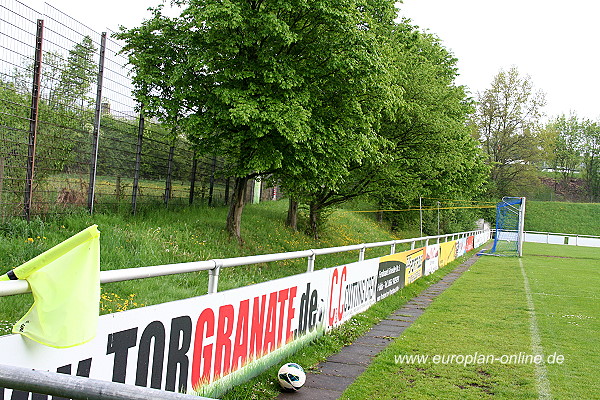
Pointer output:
480, 337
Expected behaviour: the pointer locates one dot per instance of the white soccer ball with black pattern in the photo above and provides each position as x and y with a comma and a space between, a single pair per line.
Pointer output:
291, 376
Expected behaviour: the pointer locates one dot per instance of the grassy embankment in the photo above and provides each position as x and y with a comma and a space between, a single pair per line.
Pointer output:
576, 218
175, 236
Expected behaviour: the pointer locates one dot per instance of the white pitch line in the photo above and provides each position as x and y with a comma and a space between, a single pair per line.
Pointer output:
541, 373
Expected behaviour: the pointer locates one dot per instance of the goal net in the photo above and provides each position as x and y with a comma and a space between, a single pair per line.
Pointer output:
509, 235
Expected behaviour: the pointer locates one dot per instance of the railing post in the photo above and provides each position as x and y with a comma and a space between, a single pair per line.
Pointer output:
33, 118
412, 244
213, 279
426, 242
361, 254
96, 133
311, 262
393, 248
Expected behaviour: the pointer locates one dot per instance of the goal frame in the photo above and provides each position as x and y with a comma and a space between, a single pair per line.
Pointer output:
514, 230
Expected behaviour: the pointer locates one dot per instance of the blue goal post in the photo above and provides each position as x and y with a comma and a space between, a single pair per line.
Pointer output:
510, 222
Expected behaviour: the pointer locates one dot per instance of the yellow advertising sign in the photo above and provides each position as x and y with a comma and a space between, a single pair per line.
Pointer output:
447, 252
414, 265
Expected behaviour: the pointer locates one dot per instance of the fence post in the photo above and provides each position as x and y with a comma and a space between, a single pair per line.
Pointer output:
138, 160
168, 186
1, 182
412, 245
211, 186
193, 177
96, 134
393, 248
227, 192
33, 118
118, 188
421, 215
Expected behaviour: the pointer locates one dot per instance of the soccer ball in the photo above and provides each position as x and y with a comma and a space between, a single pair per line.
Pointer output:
291, 376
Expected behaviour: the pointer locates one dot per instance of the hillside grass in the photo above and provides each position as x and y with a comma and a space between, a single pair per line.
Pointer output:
558, 217
165, 236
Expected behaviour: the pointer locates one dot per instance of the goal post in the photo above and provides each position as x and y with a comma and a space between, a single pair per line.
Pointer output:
510, 224
521, 227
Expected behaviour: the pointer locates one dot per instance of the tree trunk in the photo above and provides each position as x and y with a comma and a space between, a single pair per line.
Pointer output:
292, 216
236, 206
314, 215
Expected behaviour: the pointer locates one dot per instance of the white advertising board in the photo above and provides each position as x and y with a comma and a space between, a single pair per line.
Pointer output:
183, 345
352, 290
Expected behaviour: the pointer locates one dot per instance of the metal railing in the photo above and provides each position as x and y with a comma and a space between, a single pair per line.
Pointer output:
214, 266
80, 388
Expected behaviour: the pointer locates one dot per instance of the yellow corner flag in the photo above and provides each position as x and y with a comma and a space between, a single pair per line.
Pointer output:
65, 282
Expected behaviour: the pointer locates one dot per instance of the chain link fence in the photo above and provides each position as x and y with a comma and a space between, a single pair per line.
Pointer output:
71, 134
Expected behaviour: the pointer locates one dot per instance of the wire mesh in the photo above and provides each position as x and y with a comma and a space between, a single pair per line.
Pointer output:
73, 111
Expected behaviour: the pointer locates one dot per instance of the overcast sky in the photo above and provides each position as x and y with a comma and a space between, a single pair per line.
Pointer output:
555, 42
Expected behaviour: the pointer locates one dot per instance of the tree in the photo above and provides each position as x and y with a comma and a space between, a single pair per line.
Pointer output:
77, 75
566, 144
424, 144
247, 78
507, 123
591, 159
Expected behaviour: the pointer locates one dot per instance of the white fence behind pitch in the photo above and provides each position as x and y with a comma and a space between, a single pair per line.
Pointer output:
562, 238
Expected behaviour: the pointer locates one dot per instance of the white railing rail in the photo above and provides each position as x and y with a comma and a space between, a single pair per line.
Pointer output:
214, 266
79, 388
569, 239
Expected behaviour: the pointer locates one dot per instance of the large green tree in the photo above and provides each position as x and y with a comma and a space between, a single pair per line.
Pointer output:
507, 120
249, 80
424, 146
